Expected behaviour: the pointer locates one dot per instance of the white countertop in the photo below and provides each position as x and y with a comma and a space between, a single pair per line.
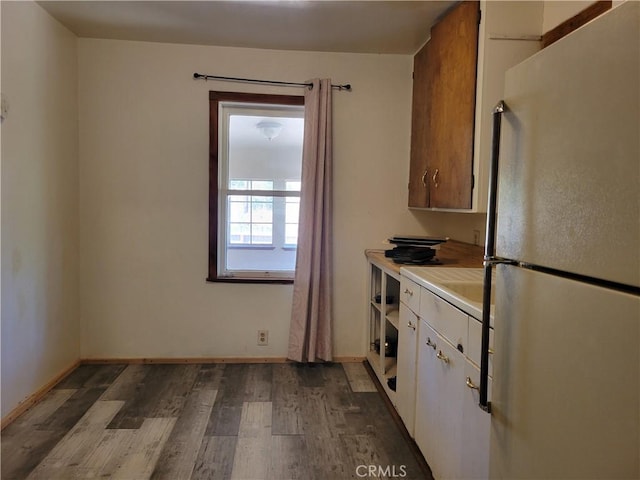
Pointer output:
432, 278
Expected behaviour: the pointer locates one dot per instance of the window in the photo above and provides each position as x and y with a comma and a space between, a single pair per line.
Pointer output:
255, 180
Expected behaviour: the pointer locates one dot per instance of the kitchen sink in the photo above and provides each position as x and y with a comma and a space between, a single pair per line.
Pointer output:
472, 291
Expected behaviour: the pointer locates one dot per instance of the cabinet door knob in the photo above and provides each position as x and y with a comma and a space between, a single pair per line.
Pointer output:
408, 292
472, 385
435, 178
424, 178
411, 326
442, 356
430, 343
490, 351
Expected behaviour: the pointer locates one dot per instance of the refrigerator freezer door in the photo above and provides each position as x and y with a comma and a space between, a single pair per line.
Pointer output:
570, 154
566, 385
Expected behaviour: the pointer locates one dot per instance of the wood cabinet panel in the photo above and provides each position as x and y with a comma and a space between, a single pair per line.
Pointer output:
441, 171
418, 181
452, 89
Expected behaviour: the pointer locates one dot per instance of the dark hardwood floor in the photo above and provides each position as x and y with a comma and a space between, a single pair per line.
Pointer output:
210, 421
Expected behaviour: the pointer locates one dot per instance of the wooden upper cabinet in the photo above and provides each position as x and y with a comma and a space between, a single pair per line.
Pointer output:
418, 181
444, 92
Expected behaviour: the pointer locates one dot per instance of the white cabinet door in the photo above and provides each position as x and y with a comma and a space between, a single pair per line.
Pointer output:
406, 372
427, 396
439, 395
476, 428
451, 387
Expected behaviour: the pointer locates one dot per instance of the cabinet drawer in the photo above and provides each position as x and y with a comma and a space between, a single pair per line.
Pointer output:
445, 319
475, 342
410, 294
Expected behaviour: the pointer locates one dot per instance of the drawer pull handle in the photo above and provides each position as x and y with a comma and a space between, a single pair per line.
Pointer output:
430, 343
411, 326
472, 385
442, 356
408, 292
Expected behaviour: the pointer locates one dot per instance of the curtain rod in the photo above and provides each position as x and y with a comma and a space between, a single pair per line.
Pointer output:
197, 76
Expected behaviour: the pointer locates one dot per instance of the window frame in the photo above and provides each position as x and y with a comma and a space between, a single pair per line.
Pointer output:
215, 98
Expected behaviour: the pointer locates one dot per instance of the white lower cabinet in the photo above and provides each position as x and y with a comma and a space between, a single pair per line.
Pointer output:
450, 428
439, 402
476, 425
427, 396
406, 372
434, 363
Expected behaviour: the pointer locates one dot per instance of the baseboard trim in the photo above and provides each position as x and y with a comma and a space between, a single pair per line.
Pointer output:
35, 397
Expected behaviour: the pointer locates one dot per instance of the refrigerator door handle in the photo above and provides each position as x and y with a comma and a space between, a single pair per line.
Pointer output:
489, 255
491, 261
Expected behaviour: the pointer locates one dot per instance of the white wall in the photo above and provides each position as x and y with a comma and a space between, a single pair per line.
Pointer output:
40, 330
144, 186
557, 11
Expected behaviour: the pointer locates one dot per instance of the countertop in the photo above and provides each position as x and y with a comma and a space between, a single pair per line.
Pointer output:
451, 254
435, 280
461, 262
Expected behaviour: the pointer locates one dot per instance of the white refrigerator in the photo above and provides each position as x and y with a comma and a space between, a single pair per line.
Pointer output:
566, 374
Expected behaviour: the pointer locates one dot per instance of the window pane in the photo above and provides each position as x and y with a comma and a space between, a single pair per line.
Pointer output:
238, 198
261, 234
292, 185
291, 234
239, 212
261, 185
261, 212
239, 233
238, 184
292, 212
252, 157
266, 260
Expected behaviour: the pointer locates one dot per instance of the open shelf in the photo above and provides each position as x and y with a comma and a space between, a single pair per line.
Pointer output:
383, 321
393, 317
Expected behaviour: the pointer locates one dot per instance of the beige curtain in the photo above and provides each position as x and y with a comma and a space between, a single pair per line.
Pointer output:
310, 331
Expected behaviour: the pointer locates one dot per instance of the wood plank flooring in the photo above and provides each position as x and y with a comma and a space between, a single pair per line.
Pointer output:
212, 421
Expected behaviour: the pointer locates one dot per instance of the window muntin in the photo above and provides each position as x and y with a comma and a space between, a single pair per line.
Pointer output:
258, 192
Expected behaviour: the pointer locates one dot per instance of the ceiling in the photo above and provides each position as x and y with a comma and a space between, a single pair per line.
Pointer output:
392, 27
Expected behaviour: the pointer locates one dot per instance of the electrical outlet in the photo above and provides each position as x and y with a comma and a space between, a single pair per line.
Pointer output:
263, 337
476, 237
